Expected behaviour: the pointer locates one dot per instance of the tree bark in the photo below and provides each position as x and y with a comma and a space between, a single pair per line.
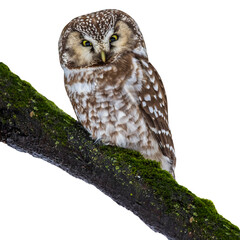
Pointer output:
31, 123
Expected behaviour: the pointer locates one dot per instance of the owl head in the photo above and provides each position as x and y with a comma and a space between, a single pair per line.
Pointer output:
98, 39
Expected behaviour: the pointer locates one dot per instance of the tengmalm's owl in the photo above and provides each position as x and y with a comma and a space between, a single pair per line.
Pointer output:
116, 93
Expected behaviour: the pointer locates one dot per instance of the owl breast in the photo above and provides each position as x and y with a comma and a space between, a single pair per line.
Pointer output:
106, 103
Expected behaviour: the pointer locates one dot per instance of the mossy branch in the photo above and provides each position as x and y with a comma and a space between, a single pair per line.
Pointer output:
31, 123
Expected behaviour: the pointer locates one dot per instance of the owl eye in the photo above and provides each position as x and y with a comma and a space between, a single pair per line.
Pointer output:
113, 38
86, 43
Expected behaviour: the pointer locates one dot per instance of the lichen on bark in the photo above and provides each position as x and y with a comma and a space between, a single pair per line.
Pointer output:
31, 123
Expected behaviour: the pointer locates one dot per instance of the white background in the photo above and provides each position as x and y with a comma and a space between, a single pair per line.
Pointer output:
195, 46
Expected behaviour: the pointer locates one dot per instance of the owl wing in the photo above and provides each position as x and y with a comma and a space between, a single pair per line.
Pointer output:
153, 103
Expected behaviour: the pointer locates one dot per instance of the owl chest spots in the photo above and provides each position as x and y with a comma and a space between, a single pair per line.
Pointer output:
107, 105
110, 116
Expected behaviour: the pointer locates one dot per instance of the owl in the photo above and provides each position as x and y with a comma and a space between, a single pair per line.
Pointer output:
116, 93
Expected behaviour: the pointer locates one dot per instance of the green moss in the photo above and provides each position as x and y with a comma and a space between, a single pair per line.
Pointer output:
21, 95
192, 212
202, 212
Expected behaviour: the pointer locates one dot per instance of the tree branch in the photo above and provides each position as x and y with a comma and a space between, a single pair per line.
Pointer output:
31, 123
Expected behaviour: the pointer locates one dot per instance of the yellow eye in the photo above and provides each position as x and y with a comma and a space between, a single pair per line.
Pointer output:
113, 38
86, 43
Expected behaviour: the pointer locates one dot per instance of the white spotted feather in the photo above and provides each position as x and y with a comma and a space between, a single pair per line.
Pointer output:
121, 100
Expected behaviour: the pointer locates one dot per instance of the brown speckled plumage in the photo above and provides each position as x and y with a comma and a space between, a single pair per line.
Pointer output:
121, 99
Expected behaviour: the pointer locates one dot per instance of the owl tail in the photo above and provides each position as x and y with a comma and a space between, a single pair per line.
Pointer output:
167, 164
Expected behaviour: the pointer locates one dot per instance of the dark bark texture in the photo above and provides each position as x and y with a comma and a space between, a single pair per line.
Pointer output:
31, 123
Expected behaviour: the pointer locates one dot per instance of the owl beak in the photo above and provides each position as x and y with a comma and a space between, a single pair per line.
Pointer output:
103, 56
